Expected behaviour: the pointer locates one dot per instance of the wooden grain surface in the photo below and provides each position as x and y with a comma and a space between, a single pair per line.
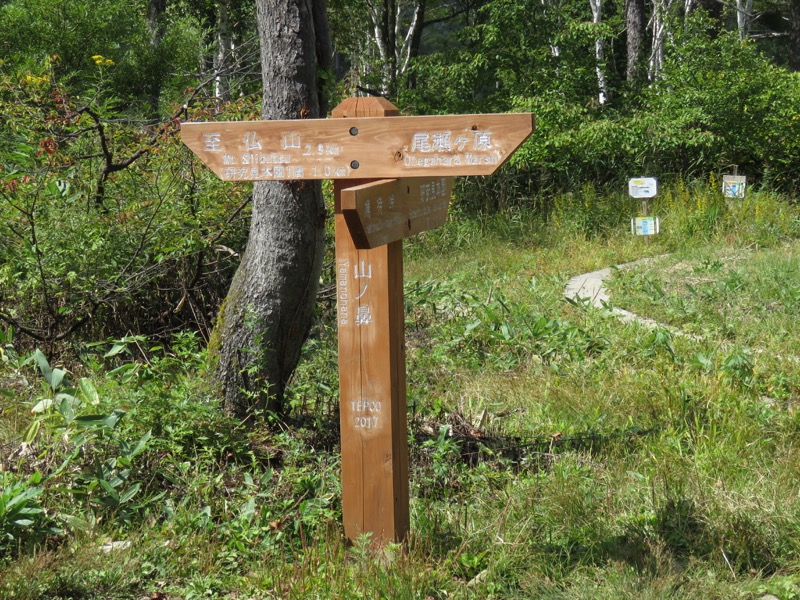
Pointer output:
389, 210
371, 382
354, 147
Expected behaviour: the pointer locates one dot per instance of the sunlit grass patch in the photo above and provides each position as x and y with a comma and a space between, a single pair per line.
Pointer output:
739, 296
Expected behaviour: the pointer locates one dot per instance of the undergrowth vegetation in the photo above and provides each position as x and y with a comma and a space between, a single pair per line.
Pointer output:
556, 451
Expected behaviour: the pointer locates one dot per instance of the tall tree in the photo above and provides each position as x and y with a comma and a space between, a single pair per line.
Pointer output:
635, 25
744, 17
269, 308
794, 35
223, 54
599, 52
660, 22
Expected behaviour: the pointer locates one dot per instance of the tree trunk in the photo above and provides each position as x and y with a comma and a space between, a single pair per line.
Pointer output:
744, 17
412, 43
222, 55
156, 23
599, 52
794, 35
659, 23
269, 308
157, 26
395, 49
635, 24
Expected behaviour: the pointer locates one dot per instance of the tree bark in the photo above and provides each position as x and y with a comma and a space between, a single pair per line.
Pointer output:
744, 17
659, 23
222, 55
413, 42
794, 35
396, 49
269, 308
635, 24
599, 52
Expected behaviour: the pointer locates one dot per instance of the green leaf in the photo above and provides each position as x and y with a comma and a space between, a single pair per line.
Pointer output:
89, 392
112, 493
130, 493
91, 420
469, 328
115, 349
123, 369
56, 378
100, 420
44, 366
32, 431
73, 522
65, 407
42, 405
140, 445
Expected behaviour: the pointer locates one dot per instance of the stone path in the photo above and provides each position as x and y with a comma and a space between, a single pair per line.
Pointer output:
591, 287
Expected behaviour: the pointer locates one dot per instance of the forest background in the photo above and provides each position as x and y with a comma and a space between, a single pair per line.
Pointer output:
117, 248
143, 240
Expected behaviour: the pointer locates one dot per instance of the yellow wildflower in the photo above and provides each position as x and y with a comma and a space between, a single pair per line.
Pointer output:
102, 61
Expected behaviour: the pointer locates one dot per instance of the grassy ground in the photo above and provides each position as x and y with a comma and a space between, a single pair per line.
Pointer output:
557, 452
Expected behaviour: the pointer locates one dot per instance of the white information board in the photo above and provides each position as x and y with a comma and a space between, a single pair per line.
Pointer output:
642, 187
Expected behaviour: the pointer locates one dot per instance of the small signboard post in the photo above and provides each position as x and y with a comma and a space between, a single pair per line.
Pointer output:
644, 188
645, 226
392, 179
733, 186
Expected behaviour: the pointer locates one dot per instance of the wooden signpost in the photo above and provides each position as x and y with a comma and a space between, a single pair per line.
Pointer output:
644, 188
388, 210
392, 179
356, 147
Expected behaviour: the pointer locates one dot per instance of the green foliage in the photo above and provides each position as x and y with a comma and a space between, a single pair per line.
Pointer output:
717, 103
23, 521
97, 463
605, 460
721, 102
103, 245
492, 331
102, 50
703, 116
513, 50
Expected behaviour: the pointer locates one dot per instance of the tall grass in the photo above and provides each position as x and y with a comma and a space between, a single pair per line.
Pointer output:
556, 452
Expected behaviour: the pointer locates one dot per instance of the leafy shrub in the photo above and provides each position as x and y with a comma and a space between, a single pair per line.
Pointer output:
23, 520
138, 240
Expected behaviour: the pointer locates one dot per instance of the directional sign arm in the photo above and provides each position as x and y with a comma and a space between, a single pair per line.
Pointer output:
389, 210
358, 148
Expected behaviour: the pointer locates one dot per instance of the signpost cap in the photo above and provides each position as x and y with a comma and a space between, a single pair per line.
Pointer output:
365, 107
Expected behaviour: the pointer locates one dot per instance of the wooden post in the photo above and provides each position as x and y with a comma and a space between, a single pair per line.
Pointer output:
371, 371
391, 180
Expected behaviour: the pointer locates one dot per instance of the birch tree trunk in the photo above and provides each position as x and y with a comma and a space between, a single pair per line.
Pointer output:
599, 52
659, 23
744, 17
396, 49
268, 311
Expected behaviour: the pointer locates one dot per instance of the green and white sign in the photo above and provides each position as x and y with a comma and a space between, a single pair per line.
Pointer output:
645, 226
733, 186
